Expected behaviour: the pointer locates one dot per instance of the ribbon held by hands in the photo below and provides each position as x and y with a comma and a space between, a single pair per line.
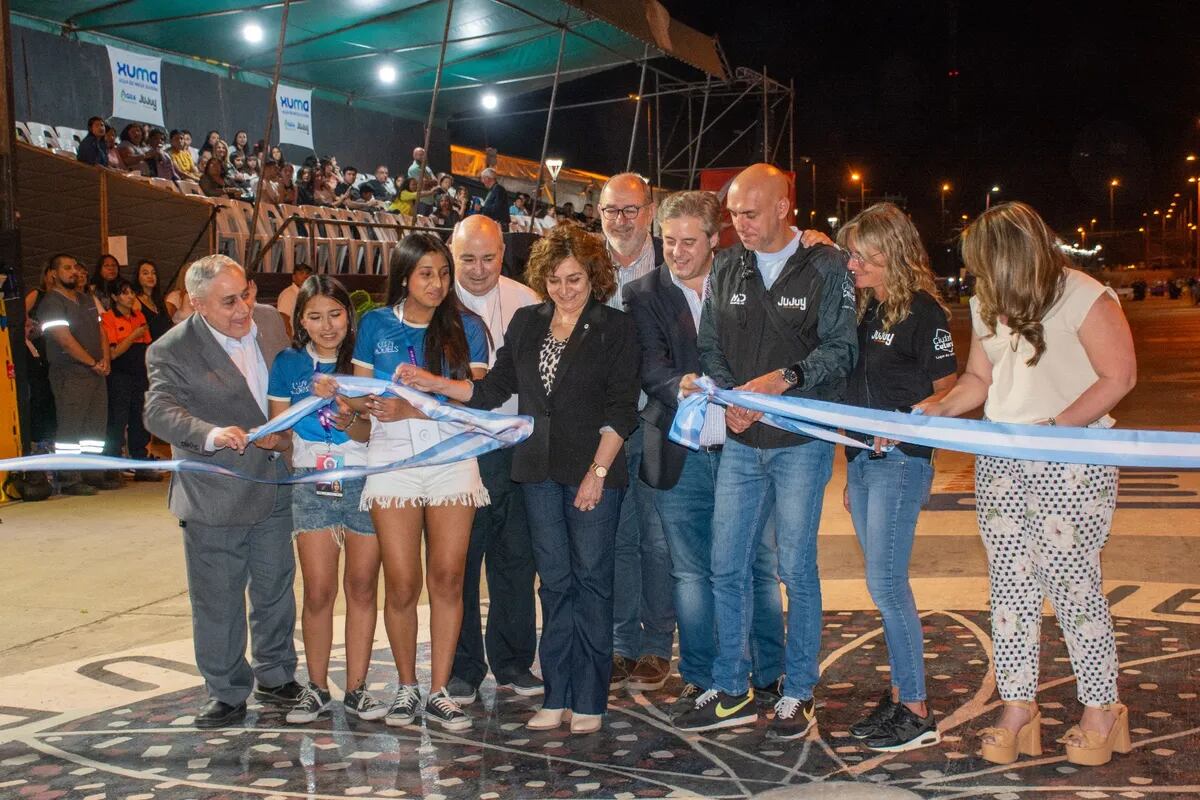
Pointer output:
820, 420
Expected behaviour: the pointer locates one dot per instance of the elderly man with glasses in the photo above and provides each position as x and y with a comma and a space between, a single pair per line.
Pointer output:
643, 613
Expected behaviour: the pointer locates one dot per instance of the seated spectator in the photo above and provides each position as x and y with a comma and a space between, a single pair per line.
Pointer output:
337, 170
445, 187
517, 209
204, 159
444, 216
187, 143
462, 202
181, 157
241, 144
110, 147
277, 154
93, 149
568, 211
254, 165
273, 187
128, 334
324, 184
239, 175
158, 158
210, 142
212, 182
366, 200
591, 222
381, 187
134, 153
304, 187
405, 202
495, 205
346, 187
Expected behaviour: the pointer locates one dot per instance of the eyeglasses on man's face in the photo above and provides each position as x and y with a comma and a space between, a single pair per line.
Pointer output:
628, 212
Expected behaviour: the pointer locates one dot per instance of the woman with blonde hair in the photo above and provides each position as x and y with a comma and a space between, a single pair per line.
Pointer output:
906, 357
1049, 346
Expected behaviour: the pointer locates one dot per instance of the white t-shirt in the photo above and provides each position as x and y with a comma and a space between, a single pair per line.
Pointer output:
1023, 394
286, 303
770, 265
497, 308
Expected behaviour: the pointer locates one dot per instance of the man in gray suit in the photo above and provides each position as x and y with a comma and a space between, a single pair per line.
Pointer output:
208, 387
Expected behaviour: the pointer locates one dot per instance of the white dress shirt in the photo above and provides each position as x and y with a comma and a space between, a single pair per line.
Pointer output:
248, 358
713, 432
496, 308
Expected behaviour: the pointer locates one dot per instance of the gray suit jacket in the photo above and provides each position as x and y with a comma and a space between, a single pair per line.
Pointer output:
194, 387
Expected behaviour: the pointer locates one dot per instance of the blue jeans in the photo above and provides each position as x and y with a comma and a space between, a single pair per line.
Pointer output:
573, 553
751, 484
686, 511
643, 614
886, 495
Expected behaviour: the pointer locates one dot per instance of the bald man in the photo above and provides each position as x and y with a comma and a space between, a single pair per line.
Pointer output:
643, 607
779, 319
499, 534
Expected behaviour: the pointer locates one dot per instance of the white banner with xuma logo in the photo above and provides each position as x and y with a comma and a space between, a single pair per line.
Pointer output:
295, 116
137, 86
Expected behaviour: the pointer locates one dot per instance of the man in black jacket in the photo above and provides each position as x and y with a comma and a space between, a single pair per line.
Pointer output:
779, 319
92, 148
495, 205
666, 305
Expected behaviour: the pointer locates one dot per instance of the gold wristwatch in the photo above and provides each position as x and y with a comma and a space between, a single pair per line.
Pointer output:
601, 472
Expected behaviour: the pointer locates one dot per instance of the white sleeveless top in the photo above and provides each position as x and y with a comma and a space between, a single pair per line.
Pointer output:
1024, 394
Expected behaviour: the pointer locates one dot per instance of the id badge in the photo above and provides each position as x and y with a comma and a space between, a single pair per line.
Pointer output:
329, 488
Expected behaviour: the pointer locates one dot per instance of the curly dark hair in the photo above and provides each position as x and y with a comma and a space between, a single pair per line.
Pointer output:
568, 241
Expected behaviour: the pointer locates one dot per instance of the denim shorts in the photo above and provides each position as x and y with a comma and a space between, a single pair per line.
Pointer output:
314, 512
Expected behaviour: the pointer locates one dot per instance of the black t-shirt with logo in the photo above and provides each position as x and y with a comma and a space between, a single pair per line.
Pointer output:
896, 368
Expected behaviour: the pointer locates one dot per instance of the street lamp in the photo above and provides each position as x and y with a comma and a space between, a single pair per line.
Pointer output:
1082, 231
553, 165
833, 221
945, 188
1112, 189
1093, 224
987, 200
856, 177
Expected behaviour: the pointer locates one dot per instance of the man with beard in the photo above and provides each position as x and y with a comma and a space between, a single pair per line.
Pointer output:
643, 613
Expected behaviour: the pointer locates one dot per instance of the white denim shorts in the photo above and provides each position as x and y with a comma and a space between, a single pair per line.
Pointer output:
447, 484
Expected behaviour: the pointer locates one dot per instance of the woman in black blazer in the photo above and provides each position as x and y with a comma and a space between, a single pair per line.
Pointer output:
573, 364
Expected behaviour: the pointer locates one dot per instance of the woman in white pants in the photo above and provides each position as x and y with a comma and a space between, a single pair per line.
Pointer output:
1049, 345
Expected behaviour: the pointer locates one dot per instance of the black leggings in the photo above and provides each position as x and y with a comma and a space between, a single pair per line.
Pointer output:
126, 397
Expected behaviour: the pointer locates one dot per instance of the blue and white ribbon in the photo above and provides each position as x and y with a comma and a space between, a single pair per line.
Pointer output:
819, 419
475, 433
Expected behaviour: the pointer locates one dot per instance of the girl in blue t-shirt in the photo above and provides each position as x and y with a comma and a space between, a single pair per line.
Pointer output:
423, 323
327, 515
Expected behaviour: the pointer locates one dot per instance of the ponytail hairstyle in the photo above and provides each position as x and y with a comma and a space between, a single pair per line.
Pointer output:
1019, 270
885, 229
446, 349
325, 286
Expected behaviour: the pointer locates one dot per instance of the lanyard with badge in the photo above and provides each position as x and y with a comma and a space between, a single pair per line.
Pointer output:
328, 459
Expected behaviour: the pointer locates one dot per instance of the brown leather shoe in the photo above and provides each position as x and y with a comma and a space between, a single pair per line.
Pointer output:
650, 674
621, 668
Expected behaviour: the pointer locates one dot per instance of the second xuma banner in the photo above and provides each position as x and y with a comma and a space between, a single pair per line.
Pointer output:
294, 107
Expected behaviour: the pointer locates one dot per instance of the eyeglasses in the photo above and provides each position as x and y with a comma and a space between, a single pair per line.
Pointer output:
628, 212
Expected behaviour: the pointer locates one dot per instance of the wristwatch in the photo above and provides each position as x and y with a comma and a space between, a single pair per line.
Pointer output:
792, 375
601, 472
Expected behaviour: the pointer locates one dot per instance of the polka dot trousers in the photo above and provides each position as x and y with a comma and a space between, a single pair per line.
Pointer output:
1043, 525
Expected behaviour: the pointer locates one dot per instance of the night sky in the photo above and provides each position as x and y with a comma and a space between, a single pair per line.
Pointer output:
1050, 102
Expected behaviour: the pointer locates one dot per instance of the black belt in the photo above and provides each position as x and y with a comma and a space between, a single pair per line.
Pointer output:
711, 448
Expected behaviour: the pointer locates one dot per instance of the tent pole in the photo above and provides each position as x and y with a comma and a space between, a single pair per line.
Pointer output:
766, 151
437, 87
792, 125
657, 134
537, 192
254, 262
637, 110
699, 136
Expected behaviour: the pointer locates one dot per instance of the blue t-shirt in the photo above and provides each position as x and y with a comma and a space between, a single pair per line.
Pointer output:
385, 341
291, 382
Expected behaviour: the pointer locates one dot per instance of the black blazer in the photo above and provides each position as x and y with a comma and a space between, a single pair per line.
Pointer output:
667, 335
596, 384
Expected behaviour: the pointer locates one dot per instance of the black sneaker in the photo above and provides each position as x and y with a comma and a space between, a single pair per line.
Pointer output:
442, 709
686, 700
363, 704
462, 692
793, 718
904, 730
404, 706
714, 710
286, 695
526, 684
879, 716
767, 696
314, 701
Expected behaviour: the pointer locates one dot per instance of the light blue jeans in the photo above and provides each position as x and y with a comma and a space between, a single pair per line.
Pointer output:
686, 511
753, 483
886, 495
643, 611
